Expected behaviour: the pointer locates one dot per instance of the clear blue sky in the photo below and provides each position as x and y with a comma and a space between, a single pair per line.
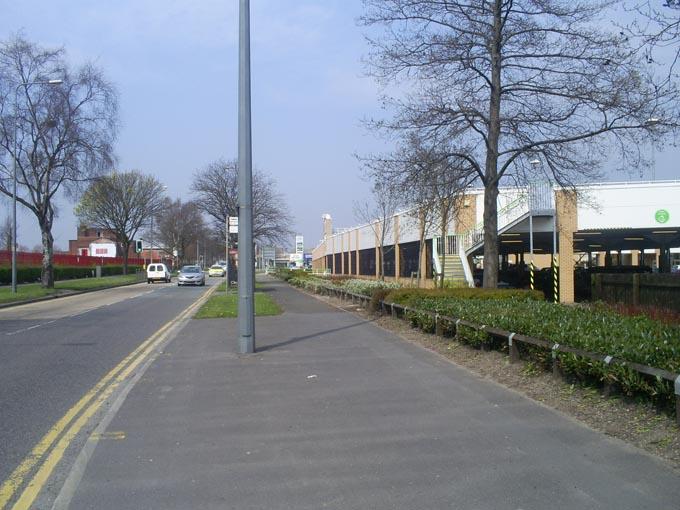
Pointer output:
175, 65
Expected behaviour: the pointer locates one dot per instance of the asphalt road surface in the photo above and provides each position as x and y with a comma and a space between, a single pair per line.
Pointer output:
53, 352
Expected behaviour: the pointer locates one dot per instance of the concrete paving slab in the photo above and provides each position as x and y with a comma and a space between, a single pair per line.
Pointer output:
334, 412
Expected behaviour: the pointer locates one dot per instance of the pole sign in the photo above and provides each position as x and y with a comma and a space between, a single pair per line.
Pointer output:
299, 244
233, 224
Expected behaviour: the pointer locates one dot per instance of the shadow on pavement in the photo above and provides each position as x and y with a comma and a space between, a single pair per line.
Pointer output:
296, 339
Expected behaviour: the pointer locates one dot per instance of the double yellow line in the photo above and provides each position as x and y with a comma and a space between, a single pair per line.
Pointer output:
41, 461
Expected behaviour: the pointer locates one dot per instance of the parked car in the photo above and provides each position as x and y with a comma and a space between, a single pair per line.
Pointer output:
157, 272
216, 270
191, 275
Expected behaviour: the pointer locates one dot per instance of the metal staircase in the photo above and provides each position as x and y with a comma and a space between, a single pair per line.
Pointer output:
537, 200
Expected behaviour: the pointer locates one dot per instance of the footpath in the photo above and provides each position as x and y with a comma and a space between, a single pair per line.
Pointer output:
334, 412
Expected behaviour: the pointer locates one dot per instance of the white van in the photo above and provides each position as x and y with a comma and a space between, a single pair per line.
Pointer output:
157, 272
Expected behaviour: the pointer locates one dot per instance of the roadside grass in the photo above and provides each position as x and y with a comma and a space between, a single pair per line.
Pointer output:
221, 305
221, 286
96, 283
34, 290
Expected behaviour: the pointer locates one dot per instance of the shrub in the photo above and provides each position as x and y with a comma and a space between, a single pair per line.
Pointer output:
312, 283
24, 275
405, 296
286, 274
377, 297
366, 287
32, 274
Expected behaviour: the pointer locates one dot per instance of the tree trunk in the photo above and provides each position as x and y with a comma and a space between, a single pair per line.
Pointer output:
491, 168
443, 232
125, 248
421, 245
47, 274
490, 236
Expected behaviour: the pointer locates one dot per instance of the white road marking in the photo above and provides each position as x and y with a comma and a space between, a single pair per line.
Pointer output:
78, 314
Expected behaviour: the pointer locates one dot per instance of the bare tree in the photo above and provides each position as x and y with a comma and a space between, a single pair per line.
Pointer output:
506, 81
216, 191
657, 29
379, 215
179, 227
427, 177
122, 203
58, 136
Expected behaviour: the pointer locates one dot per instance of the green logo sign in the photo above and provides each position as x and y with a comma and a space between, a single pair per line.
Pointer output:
662, 216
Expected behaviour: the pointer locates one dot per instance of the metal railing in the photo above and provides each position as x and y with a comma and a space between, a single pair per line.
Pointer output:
506, 215
452, 243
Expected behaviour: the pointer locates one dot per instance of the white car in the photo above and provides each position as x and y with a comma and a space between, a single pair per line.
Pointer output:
157, 272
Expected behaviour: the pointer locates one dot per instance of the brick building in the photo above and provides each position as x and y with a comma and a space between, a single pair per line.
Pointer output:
96, 242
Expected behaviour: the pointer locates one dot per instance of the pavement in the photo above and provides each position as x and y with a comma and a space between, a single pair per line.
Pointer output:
335, 412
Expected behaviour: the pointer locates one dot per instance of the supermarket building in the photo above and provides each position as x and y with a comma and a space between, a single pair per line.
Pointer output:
606, 224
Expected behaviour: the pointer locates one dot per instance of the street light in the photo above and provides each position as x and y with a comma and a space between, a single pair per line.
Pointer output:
164, 188
246, 273
535, 163
651, 122
14, 173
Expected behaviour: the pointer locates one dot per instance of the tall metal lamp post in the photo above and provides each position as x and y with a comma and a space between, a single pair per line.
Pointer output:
651, 122
25, 85
246, 273
535, 163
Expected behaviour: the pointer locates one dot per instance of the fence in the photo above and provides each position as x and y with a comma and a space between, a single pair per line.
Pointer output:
648, 289
29, 259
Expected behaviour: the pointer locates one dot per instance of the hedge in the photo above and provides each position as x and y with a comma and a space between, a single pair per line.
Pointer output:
406, 294
287, 274
32, 274
594, 329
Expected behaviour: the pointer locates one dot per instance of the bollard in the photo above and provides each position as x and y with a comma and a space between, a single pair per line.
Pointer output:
486, 344
557, 373
556, 294
513, 349
394, 311
608, 388
438, 330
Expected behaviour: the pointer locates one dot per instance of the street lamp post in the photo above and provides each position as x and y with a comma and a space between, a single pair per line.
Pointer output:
14, 174
535, 163
651, 122
246, 273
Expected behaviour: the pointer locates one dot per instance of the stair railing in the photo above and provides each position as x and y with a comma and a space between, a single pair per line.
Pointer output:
506, 215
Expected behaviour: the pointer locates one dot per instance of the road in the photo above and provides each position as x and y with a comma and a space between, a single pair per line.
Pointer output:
53, 352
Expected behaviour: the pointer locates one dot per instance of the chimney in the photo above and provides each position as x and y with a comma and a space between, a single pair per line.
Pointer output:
327, 225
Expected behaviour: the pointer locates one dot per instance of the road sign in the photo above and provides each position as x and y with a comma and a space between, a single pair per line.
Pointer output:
233, 224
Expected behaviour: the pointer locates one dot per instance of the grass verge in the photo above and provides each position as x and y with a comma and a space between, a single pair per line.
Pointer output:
221, 305
34, 290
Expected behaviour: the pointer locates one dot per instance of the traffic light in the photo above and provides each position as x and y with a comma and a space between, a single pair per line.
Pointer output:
138, 246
